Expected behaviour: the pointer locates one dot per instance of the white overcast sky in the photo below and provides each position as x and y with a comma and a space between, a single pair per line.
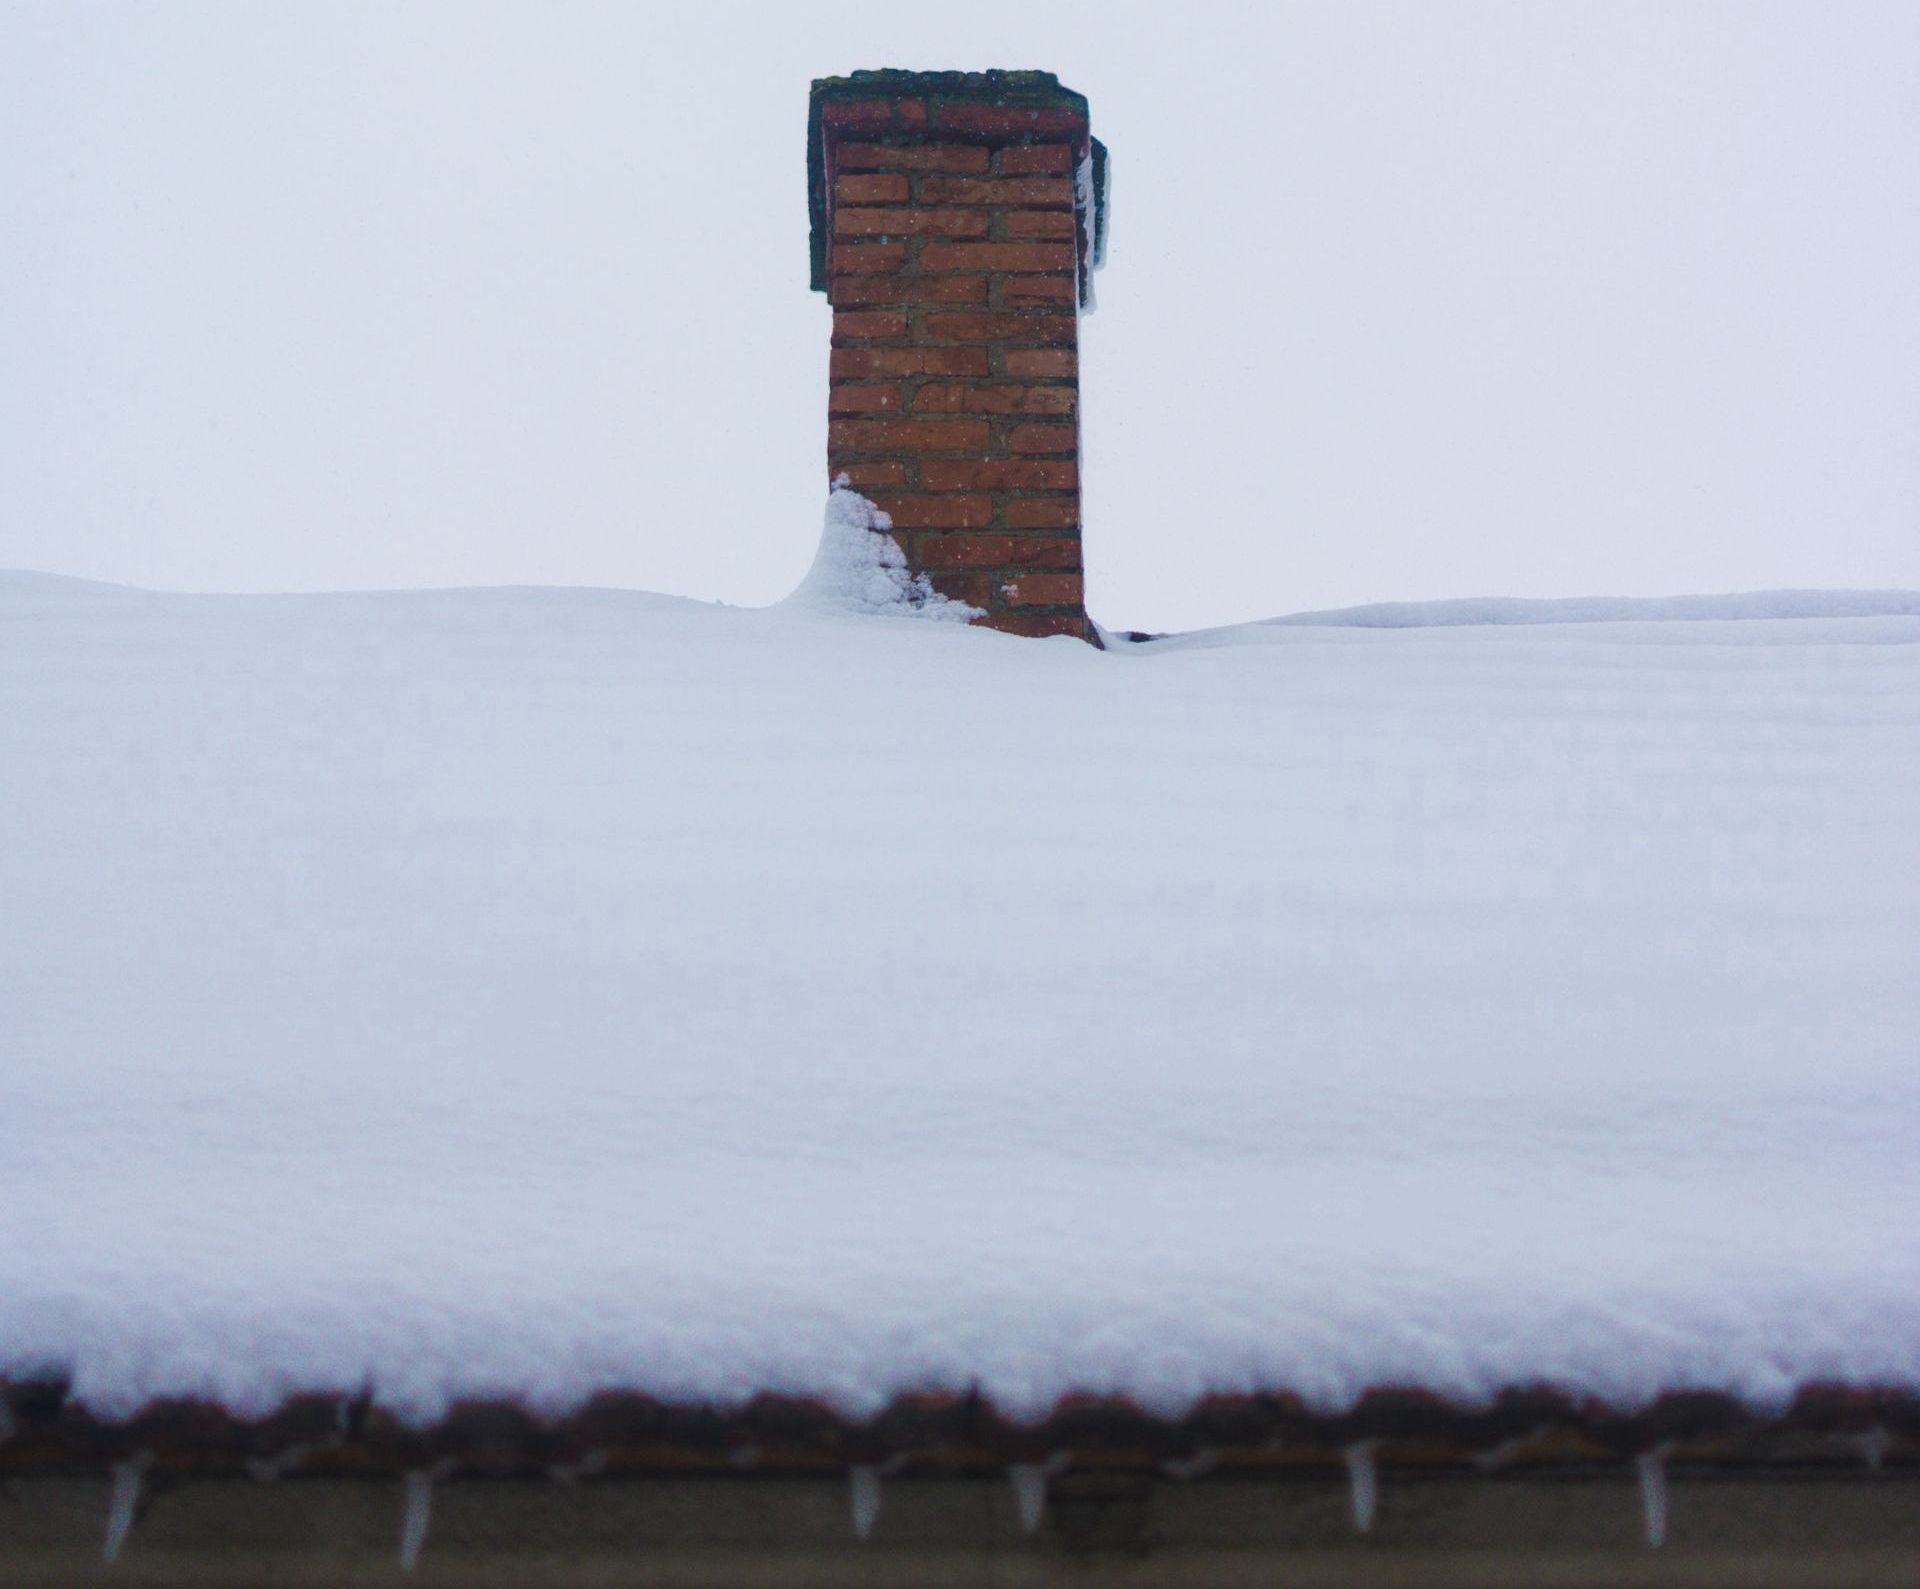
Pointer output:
1403, 301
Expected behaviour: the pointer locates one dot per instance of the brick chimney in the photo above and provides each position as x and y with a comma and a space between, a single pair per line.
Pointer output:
957, 219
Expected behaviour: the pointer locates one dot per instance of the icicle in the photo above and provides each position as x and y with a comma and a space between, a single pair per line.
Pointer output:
1873, 1446
1030, 1487
350, 1415
413, 1528
1652, 1466
1497, 1457
1363, 1482
267, 1469
864, 1488
127, 1480
1205, 1460
1086, 207
589, 1466
1029, 1494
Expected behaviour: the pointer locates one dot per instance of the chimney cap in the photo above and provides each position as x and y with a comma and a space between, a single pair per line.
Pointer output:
998, 87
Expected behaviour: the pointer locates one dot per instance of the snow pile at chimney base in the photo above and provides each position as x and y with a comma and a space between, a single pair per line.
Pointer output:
859, 568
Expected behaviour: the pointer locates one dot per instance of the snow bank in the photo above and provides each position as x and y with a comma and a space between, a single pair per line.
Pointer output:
859, 568
527, 992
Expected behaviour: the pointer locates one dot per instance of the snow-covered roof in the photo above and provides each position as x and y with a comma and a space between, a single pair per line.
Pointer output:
523, 993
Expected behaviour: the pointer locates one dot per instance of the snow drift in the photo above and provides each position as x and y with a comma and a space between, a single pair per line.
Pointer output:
1605, 609
859, 568
527, 992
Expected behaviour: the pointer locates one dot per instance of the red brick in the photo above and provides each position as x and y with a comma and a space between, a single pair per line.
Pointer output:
909, 157
864, 400
998, 551
855, 362
912, 289
941, 257
866, 476
953, 512
1044, 513
1031, 159
1043, 590
1042, 438
906, 435
857, 115
871, 190
864, 259
1020, 292
1043, 363
976, 590
994, 400
1010, 121
1040, 223
999, 474
913, 114
853, 325
1038, 625
1029, 329
913, 221
1031, 193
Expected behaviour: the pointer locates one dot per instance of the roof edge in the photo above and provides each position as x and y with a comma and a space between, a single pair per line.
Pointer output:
1829, 1426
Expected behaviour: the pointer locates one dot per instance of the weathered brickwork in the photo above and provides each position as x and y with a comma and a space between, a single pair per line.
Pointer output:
953, 239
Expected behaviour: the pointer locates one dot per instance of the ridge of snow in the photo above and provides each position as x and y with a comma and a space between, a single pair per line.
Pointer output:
1759, 604
22, 591
19, 583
